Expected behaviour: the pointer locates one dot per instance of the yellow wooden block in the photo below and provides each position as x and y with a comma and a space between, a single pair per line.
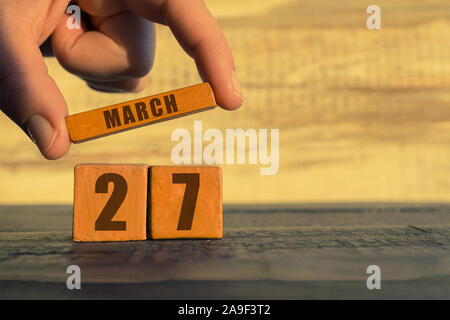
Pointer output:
136, 113
185, 202
110, 202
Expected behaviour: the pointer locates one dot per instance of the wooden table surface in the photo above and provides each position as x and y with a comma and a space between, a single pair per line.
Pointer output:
268, 252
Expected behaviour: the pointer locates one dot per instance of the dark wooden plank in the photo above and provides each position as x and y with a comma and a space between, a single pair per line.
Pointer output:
428, 288
272, 252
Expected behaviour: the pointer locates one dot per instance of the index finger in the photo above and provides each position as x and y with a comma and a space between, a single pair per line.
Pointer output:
201, 37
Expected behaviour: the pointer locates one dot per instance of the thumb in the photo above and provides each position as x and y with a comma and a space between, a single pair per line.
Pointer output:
30, 97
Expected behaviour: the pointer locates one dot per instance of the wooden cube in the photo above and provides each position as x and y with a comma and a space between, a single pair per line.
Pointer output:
110, 202
185, 202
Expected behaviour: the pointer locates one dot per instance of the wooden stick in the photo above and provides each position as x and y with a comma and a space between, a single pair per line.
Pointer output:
128, 115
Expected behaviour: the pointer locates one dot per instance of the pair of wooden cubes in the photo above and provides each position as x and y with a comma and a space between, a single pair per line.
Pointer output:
136, 202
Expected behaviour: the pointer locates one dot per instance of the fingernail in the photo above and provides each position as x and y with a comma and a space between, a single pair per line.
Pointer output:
41, 132
236, 86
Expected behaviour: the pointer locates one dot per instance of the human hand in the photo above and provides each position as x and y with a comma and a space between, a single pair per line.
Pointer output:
113, 51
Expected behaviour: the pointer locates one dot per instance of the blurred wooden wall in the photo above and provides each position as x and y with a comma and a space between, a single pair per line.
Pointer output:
363, 115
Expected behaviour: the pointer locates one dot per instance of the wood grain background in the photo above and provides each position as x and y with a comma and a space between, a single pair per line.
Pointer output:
363, 115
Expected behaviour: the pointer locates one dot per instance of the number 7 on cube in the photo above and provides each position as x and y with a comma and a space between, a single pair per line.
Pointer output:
185, 202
